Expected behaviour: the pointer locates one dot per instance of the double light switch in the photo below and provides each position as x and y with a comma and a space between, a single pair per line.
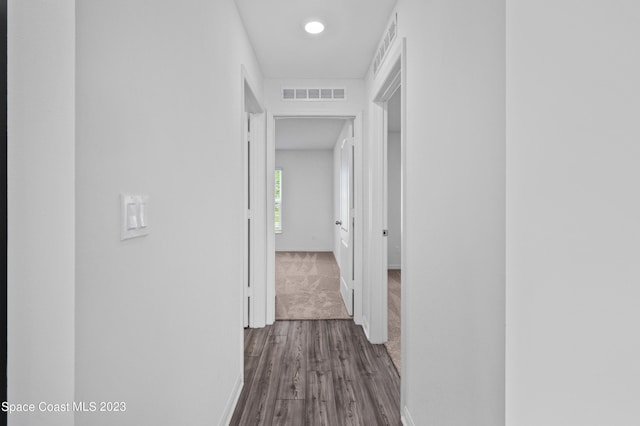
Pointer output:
135, 222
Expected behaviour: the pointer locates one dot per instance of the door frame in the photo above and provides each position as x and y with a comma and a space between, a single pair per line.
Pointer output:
391, 77
358, 201
346, 276
253, 234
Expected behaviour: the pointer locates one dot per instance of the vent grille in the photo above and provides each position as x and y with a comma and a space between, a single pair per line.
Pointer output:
314, 94
288, 94
387, 41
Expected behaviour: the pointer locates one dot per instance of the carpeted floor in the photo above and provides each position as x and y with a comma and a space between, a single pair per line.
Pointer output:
308, 286
393, 316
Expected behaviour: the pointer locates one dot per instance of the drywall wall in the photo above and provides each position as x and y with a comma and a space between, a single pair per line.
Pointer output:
394, 199
347, 131
159, 113
573, 213
453, 342
307, 200
41, 179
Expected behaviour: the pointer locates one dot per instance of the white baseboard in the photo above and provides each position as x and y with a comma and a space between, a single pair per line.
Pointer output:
365, 326
232, 402
394, 266
406, 417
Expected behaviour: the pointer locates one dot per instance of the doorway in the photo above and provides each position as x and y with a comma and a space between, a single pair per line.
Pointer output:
308, 260
387, 252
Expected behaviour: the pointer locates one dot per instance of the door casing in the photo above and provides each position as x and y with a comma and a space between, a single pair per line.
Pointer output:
390, 77
254, 233
347, 219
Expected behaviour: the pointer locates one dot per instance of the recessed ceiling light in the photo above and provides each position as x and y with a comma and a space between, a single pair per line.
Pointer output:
314, 27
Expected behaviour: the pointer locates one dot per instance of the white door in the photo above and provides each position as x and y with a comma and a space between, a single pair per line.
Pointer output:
346, 223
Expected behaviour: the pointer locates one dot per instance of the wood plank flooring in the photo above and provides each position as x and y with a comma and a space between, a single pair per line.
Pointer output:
322, 372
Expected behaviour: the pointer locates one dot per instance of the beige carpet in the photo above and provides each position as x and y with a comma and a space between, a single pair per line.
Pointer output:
308, 286
393, 301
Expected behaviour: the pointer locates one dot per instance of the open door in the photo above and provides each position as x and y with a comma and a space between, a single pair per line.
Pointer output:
346, 223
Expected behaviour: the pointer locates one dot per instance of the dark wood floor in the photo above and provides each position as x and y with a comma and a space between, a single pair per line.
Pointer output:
316, 373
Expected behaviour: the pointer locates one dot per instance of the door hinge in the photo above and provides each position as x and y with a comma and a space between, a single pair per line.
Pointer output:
385, 232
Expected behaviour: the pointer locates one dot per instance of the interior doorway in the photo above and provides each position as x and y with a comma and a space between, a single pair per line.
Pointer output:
388, 117
309, 263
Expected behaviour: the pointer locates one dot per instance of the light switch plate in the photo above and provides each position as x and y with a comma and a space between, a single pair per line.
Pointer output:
134, 216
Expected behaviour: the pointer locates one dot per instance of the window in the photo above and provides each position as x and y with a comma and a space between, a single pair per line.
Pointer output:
278, 201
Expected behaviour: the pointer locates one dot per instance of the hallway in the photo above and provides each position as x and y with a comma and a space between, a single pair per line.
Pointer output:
316, 373
140, 234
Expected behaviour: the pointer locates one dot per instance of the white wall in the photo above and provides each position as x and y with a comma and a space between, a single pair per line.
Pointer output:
41, 177
573, 213
159, 113
307, 200
453, 367
394, 167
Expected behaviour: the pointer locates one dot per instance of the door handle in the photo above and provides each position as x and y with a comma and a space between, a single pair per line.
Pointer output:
338, 222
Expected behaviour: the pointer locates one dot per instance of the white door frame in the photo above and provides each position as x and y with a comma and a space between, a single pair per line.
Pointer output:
254, 200
358, 228
345, 217
391, 76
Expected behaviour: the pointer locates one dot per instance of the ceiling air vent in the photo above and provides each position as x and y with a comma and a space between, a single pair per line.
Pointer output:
314, 94
387, 41
288, 94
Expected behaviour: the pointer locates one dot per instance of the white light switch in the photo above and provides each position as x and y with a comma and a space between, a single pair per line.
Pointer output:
135, 211
142, 209
132, 216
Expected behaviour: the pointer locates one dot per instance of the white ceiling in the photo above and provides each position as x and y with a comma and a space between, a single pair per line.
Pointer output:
345, 49
307, 133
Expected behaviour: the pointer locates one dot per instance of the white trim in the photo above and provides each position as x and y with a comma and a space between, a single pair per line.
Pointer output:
270, 283
365, 326
389, 80
403, 244
258, 222
392, 74
406, 418
251, 106
230, 406
344, 288
358, 241
394, 267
